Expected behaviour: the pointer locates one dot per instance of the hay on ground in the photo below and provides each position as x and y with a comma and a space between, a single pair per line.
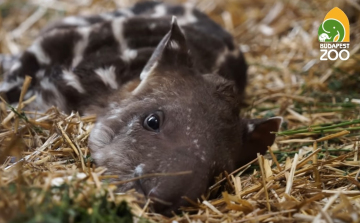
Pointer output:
310, 174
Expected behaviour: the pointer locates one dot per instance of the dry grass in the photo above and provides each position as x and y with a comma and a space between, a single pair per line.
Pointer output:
311, 174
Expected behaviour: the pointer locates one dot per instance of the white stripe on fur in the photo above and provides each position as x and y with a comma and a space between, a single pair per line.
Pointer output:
108, 76
73, 81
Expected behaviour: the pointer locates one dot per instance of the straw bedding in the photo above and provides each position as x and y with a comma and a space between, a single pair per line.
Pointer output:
311, 174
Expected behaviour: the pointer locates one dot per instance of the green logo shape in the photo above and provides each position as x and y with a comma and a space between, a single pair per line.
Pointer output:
331, 30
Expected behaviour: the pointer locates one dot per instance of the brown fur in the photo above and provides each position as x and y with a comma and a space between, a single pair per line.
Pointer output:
191, 78
201, 130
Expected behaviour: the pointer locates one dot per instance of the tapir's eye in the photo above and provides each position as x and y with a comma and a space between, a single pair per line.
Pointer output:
153, 121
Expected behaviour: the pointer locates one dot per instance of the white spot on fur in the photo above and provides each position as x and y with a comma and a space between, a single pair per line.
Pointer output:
132, 122
112, 117
81, 45
187, 130
126, 12
128, 55
15, 66
107, 16
188, 16
5, 86
116, 111
152, 26
113, 105
73, 81
117, 27
59, 100
196, 142
74, 20
108, 76
160, 10
139, 170
45, 84
39, 104
28, 94
38, 51
224, 54
251, 127
174, 45
130, 125
40, 74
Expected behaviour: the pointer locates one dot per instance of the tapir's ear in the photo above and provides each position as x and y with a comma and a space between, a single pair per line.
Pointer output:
172, 52
258, 135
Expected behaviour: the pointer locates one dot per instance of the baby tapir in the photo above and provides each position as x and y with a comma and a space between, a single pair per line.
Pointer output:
167, 92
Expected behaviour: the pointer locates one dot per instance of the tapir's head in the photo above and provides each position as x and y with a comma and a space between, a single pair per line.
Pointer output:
176, 120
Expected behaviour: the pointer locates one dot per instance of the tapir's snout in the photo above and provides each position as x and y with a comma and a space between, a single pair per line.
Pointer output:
168, 190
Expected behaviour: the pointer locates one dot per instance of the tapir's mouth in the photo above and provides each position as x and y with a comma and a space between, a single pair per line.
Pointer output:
157, 199
165, 207
158, 204
166, 189
163, 200
167, 196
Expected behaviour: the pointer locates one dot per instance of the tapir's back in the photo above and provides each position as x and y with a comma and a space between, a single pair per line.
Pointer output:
77, 62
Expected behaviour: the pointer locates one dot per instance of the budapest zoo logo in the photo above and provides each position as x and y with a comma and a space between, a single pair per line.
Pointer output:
333, 34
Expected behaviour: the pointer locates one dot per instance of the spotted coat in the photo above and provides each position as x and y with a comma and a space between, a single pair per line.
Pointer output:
77, 62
